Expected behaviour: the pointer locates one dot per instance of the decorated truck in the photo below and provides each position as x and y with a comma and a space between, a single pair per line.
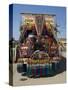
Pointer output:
38, 46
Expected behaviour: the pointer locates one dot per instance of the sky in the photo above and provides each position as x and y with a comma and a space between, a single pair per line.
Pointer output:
60, 13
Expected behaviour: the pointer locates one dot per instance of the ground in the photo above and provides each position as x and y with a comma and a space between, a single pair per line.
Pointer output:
19, 80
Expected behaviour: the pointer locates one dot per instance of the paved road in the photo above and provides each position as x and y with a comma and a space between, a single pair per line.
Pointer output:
22, 80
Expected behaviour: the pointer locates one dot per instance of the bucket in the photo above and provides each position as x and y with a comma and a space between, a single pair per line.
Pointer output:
29, 70
24, 67
36, 70
20, 68
47, 72
61, 66
55, 67
41, 70
50, 69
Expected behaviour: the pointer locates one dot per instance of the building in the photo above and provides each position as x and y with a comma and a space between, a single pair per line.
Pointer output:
62, 44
